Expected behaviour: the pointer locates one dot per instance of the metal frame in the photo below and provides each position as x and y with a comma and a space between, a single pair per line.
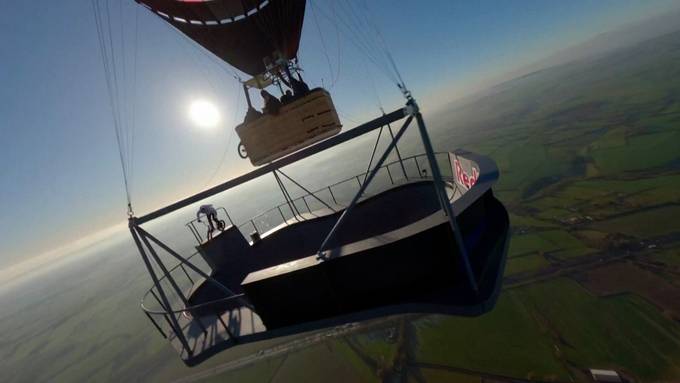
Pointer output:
287, 197
174, 324
332, 196
285, 161
443, 199
303, 188
144, 240
142, 237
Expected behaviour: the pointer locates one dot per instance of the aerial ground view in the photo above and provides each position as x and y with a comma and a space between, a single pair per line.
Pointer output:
556, 253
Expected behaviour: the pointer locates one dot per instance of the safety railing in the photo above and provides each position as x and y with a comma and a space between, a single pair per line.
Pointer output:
207, 317
337, 195
190, 318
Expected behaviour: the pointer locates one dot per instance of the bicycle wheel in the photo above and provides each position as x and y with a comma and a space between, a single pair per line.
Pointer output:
242, 151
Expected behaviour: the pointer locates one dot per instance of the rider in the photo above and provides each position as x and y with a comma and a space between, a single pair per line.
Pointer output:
300, 88
287, 97
210, 212
271, 103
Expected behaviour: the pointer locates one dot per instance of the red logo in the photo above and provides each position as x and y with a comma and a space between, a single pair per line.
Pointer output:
463, 177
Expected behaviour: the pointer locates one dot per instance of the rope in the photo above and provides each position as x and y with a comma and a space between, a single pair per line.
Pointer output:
325, 51
133, 115
373, 87
205, 71
122, 125
229, 140
358, 30
202, 51
386, 49
337, 40
354, 24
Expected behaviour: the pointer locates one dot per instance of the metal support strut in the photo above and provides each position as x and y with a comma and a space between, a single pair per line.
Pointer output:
396, 148
289, 200
363, 187
185, 262
174, 325
443, 198
305, 190
375, 147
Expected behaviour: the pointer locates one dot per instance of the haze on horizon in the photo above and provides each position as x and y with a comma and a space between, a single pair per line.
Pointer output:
61, 182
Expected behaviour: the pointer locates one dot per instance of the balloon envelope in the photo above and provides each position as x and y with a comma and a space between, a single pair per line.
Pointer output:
240, 32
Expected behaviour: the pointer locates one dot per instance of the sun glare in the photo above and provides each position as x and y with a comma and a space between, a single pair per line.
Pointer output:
204, 114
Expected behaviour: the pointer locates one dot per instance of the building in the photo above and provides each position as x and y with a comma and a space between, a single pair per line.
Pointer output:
605, 376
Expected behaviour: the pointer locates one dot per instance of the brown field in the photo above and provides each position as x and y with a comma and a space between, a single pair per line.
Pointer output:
627, 277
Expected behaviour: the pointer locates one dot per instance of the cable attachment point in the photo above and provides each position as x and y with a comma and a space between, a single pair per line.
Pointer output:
405, 92
411, 108
130, 213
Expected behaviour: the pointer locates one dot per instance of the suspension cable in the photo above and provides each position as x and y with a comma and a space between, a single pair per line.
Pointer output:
325, 50
357, 29
133, 115
229, 140
121, 117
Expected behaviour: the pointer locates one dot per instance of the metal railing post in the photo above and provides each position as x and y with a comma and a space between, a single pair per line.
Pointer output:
396, 149
333, 195
375, 147
167, 275
306, 191
178, 331
389, 174
282, 216
287, 197
156, 324
158, 300
227, 214
181, 266
226, 328
306, 204
195, 232
453, 172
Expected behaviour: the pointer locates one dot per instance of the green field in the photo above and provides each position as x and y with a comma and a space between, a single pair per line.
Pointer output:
593, 178
649, 223
526, 263
536, 329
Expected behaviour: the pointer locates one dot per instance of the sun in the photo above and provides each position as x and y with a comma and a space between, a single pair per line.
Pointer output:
204, 114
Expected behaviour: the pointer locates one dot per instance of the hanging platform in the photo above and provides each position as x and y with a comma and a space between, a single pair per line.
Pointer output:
422, 234
388, 259
300, 123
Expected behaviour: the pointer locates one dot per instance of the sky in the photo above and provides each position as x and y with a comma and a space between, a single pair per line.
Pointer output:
60, 177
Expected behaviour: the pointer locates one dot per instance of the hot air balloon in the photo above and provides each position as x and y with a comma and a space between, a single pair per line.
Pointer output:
261, 39
430, 237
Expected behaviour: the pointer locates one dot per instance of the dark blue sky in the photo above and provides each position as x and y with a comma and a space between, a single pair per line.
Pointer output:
59, 175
